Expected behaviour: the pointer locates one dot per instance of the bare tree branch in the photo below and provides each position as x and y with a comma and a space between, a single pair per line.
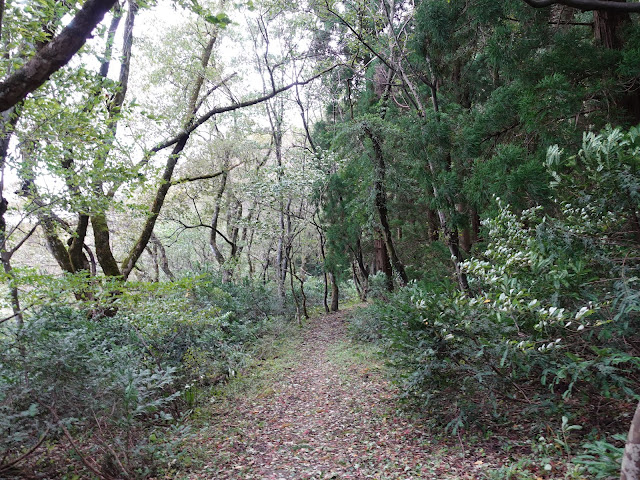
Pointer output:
24, 239
201, 225
235, 106
204, 177
213, 89
111, 33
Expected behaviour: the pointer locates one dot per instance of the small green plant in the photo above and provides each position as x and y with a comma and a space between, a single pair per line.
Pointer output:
191, 395
601, 458
515, 471
562, 440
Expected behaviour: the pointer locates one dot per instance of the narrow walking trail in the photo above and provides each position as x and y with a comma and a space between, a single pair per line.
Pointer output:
324, 416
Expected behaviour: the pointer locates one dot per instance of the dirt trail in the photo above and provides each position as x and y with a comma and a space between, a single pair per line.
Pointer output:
327, 417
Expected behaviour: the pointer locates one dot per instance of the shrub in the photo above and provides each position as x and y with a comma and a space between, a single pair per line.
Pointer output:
552, 316
109, 389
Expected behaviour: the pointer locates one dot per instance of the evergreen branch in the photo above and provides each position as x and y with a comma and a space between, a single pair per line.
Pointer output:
386, 62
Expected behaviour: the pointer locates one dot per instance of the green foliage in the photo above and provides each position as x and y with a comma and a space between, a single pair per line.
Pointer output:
67, 371
601, 458
124, 379
552, 307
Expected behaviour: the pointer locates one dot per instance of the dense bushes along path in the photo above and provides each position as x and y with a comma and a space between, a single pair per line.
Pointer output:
328, 412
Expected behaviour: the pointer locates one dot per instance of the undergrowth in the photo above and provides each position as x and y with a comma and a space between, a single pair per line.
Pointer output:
547, 335
84, 393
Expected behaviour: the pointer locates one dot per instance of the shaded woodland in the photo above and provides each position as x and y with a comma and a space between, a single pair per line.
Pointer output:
182, 181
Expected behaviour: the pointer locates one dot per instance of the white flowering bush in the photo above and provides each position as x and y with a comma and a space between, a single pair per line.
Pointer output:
530, 279
551, 318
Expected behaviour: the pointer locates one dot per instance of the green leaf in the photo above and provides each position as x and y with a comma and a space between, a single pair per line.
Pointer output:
221, 19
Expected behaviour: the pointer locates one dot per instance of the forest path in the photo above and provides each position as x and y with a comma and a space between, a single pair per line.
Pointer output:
325, 413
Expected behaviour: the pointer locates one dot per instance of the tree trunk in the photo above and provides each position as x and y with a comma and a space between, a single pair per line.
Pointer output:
102, 238
334, 292
282, 259
465, 235
163, 261
363, 275
607, 26
631, 460
152, 250
325, 293
381, 204
432, 225
475, 225
382, 262
293, 293
607, 30
249, 246
79, 260
215, 249
356, 281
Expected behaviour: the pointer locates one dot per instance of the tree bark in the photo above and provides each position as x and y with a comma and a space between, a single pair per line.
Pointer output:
475, 225
78, 259
465, 235
631, 460
363, 275
293, 293
152, 250
356, 281
111, 33
381, 204
432, 225
102, 238
163, 261
382, 262
606, 27
213, 235
54, 55
325, 292
335, 293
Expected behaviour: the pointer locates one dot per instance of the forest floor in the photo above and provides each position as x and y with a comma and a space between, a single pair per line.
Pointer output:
323, 408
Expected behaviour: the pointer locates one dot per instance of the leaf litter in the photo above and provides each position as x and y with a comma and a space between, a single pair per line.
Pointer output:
327, 416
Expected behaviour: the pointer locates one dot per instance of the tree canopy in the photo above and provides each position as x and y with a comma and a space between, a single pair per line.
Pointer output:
467, 167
